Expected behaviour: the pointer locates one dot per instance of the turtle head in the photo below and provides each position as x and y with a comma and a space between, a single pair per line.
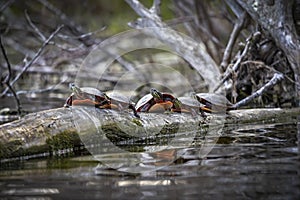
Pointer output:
177, 103
156, 94
74, 88
193, 95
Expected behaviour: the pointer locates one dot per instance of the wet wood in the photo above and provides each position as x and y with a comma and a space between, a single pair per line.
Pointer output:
56, 129
281, 28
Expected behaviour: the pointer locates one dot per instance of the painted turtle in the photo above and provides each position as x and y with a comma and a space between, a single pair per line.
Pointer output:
213, 102
155, 102
121, 102
190, 105
87, 96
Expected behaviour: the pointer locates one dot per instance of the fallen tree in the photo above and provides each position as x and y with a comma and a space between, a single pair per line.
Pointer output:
59, 129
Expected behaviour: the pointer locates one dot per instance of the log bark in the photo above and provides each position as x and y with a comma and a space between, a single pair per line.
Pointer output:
62, 128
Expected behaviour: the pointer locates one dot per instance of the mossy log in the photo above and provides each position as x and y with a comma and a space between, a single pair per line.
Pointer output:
62, 128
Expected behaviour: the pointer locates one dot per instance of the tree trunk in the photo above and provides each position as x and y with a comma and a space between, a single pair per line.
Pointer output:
57, 129
276, 18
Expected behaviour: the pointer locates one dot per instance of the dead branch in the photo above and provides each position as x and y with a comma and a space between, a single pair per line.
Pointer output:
37, 55
238, 26
8, 77
156, 7
281, 28
5, 5
236, 65
77, 29
39, 33
191, 51
276, 78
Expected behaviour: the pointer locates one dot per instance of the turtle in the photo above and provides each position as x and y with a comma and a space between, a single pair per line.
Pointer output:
212, 102
190, 105
155, 101
87, 96
121, 102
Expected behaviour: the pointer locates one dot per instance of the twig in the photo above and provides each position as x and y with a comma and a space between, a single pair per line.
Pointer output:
238, 26
75, 28
49, 89
8, 77
5, 5
236, 65
275, 79
34, 26
38, 53
269, 68
156, 7
235, 8
19, 48
190, 50
82, 35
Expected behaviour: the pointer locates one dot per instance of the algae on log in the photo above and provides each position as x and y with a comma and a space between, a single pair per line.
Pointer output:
62, 128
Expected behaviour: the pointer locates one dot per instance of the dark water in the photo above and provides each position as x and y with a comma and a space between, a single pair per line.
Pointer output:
248, 162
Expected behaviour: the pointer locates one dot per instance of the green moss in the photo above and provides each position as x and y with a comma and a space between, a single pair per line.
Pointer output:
137, 122
64, 140
10, 148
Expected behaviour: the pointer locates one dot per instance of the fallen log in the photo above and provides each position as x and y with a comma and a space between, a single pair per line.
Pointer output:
65, 128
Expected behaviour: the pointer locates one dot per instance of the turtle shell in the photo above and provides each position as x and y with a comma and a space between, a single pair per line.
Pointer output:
168, 97
145, 103
155, 101
93, 93
214, 101
86, 96
121, 102
193, 106
121, 99
189, 102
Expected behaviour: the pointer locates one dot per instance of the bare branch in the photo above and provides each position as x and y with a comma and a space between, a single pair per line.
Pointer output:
156, 7
236, 65
281, 28
19, 48
235, 7
37, 55
238, 26
5, 5
77, 29
275, 79
7, 79
34, 26
191, 51
48, 89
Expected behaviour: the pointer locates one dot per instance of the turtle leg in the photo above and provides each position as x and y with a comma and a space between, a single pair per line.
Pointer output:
134, 110
84, 102
68, 102
108, 106
161, 107
157, 108
202, 109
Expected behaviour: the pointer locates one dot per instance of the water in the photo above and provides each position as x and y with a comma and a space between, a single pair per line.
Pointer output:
249, 162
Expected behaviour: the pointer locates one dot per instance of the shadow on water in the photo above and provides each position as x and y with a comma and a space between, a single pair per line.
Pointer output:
248, 162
